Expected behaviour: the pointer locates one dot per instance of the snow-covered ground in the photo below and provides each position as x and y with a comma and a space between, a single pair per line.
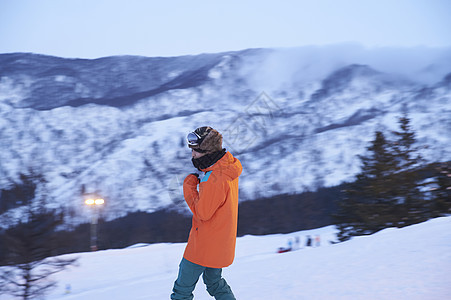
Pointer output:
409, 263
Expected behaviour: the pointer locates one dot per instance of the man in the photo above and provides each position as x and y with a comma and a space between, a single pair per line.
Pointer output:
213, 200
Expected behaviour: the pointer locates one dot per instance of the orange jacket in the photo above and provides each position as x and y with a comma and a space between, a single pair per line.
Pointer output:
212, 237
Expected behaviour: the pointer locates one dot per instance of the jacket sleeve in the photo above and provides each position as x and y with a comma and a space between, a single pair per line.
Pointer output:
211, 195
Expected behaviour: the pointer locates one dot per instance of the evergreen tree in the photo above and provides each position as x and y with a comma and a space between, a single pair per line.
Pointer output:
404, 145
407, 179
30, 243
18, 193
370, 203
387, 192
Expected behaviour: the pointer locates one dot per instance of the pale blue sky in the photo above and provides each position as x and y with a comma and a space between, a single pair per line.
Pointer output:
97, 28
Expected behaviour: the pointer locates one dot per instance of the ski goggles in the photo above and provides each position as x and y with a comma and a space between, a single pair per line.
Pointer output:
193, 139
196, 137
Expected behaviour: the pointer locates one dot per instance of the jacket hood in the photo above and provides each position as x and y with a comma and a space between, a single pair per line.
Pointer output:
228, 165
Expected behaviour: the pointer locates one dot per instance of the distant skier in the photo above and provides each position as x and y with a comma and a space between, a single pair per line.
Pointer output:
213, 201
297, 243
309, 241
290, 247
290, 244
318, 241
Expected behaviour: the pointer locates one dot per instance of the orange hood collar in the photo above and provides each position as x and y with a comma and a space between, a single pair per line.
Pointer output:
227, 165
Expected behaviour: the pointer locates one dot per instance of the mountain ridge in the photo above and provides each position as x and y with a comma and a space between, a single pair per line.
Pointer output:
123, 136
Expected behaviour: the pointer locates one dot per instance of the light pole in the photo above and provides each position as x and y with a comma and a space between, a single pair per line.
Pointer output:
94, 203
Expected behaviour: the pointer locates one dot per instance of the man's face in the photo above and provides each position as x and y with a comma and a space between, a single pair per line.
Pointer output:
195, 154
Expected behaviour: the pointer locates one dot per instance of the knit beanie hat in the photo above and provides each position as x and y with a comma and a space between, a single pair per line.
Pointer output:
210, 140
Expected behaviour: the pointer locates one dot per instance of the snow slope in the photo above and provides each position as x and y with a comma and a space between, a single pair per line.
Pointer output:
409, 263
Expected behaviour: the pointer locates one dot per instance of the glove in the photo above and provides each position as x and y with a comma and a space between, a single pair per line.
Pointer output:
191, 180
190, 189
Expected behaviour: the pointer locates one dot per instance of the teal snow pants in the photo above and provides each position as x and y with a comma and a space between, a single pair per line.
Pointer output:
189, 274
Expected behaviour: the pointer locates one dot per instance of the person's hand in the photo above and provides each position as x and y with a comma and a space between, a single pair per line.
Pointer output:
190, 188
191, 180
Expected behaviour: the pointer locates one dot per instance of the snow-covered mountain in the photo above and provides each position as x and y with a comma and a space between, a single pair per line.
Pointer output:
296, 118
